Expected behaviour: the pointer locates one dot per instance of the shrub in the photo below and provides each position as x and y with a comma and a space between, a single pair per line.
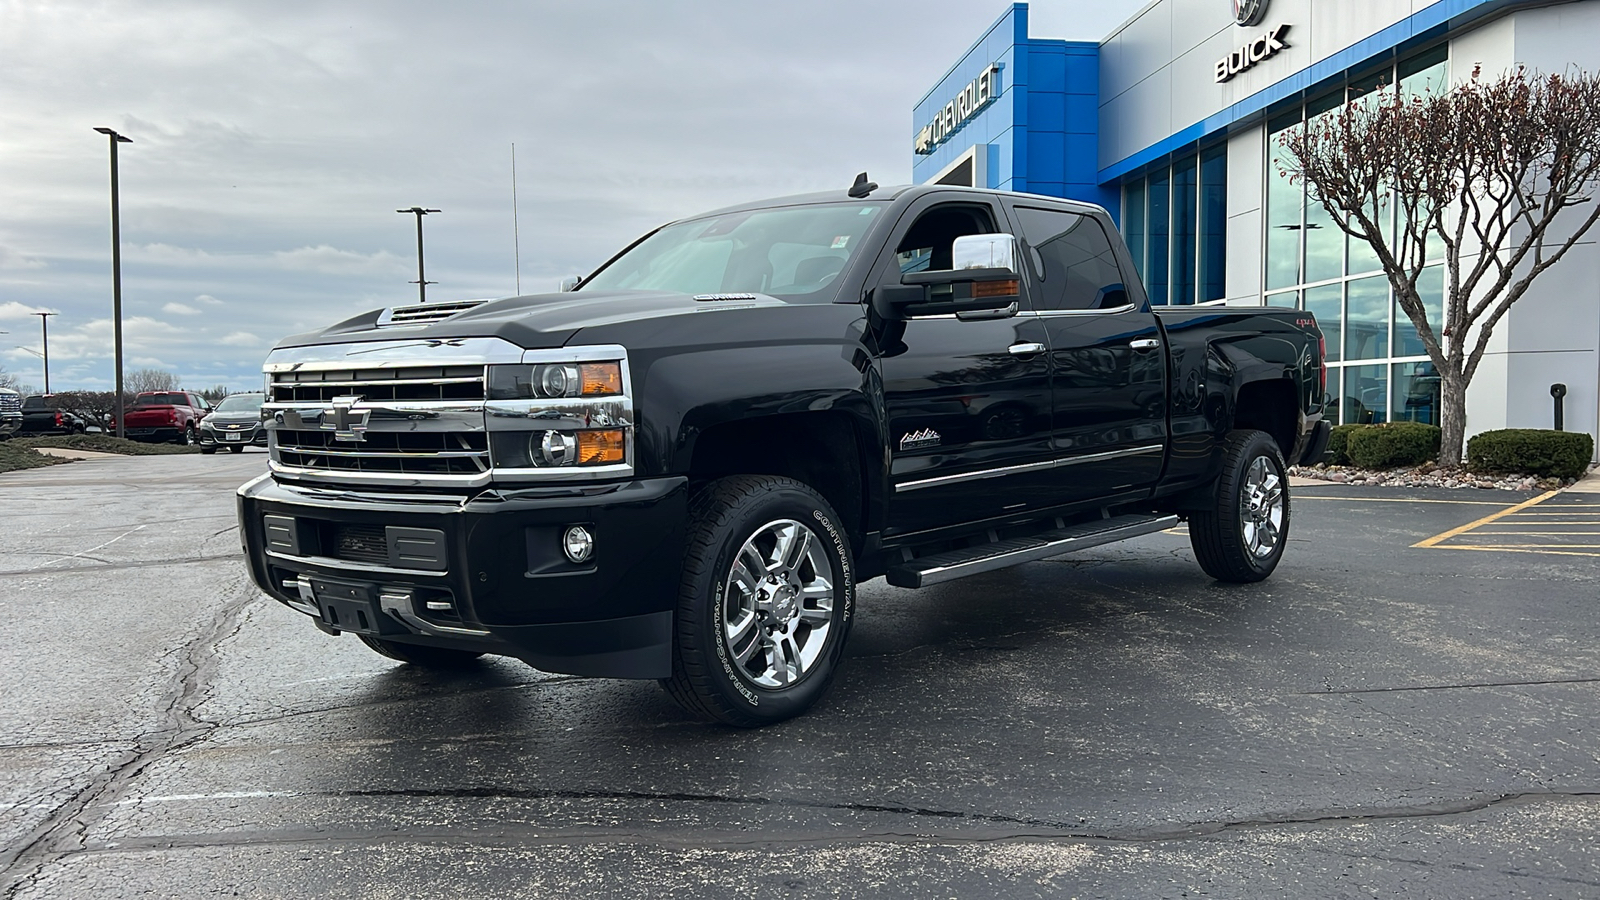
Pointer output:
1338, 440
1394, 444
1530, 451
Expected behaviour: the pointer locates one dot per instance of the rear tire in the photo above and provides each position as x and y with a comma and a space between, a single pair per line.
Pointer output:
1241, 538
420, 656
765, 604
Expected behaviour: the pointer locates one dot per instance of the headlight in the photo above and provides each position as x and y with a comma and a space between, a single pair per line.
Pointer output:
555, 380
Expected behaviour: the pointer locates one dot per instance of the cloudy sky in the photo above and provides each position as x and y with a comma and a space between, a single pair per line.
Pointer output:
273, 143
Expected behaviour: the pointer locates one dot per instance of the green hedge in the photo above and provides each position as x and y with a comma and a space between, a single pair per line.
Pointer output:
1530, 451
1393, 444
1338, 442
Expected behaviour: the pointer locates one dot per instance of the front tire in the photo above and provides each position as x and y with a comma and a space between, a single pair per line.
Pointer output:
765, 604
1242, 537
208, 450
420, 656
236, 448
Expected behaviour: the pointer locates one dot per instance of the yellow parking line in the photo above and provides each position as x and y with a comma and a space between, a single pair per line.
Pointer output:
1511, 550
1299, 497
1504, 546
1434, 541
1530, 534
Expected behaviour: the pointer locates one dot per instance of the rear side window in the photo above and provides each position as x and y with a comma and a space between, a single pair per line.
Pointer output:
1072, 259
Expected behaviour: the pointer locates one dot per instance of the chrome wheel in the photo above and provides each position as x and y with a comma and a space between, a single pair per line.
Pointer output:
1261, 508
777, 605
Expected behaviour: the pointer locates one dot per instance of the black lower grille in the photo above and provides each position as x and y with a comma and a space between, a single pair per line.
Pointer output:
358, 543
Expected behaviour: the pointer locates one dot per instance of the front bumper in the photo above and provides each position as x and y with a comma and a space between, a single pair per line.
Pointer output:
10, 425
253, 436
483, 572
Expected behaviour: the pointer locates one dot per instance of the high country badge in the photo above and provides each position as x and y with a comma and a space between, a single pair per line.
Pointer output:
914, 440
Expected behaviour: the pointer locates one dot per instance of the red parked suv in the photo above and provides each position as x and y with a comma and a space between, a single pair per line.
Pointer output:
165, 416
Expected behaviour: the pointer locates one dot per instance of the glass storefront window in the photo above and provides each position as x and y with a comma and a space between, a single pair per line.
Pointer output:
1283, 209
1324, 303
1213, 223
1430, 287
1133, 222
1159, 221
1416, 393
1366, 318
1425, 73
1324, 242
1366, 395
1185, 187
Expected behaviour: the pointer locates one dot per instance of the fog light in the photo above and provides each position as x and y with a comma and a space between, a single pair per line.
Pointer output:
578, 544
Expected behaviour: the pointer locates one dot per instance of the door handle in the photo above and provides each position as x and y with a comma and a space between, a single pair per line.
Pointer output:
1144, 344
1027, 349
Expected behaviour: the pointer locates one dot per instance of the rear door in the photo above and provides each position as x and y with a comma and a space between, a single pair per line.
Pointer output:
1109, 380
968, 401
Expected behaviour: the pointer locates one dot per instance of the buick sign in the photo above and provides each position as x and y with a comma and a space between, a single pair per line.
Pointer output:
1249, 13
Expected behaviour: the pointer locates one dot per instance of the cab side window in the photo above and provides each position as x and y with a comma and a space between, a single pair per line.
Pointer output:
1072, 259
926, 246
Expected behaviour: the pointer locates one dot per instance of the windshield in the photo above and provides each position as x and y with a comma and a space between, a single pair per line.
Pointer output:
160, 400
785, 252
241, 403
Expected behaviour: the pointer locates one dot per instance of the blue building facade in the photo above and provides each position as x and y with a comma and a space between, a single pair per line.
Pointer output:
1174, 123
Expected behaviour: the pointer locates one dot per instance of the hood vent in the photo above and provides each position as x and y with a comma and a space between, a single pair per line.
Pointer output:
425, 313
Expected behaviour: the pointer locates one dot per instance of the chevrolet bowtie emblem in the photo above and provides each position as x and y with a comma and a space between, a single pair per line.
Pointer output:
346, 424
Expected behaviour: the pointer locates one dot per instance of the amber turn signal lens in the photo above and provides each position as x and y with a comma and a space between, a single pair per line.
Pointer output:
600, 379
600, 447
996, 288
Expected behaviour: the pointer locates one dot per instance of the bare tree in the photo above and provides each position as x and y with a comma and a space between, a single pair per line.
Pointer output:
1479, 174
214, 394
8, 379
145, 380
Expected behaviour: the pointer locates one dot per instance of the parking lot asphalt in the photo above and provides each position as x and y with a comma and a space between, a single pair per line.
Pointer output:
1406, 707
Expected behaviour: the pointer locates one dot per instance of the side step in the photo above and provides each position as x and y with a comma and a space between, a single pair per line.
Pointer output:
953, 564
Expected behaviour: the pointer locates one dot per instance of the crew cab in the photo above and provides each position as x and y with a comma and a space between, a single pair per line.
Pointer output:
682, 467
159, 416
41, 416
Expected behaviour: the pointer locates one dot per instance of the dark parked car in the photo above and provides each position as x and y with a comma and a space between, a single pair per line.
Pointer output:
234, 423
10, 412
40, 417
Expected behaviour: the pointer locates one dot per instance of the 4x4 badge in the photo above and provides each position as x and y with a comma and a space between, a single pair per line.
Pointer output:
347, 424
912, 440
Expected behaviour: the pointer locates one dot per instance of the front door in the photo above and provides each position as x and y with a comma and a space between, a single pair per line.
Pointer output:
1109, 387
967, 401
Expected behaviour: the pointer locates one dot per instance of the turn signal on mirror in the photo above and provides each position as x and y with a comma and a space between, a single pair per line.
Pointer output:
1008, 288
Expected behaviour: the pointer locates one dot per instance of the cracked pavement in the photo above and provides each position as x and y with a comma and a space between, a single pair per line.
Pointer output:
1374, 720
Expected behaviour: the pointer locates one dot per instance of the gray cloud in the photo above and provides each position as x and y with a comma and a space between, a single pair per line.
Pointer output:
273, 142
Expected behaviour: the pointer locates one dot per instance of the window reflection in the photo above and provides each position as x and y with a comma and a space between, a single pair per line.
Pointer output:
1416, 393
1324, 303
1366, 318
1366, 395
1283, 209
1430, 287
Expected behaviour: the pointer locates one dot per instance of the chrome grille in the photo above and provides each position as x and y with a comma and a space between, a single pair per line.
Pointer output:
386, 452
10, 403
376, 385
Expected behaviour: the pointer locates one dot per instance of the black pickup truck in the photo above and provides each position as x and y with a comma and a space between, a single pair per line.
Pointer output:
681, 466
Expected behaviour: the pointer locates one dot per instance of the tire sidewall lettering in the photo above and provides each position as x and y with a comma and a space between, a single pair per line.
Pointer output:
840, 553
718, 595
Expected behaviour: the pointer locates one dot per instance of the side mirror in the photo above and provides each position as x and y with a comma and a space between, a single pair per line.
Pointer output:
982, 284
569, 283
984, 251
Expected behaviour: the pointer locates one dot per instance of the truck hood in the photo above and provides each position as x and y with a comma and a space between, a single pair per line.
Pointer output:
536, 321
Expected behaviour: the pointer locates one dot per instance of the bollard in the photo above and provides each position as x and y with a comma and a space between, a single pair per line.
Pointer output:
1558, 390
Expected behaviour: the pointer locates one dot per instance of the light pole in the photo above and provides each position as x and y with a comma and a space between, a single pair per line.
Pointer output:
44, 330
116, 269
422, 281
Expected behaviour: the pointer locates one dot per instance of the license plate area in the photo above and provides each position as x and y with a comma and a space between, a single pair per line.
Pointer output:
352, 607
233, 436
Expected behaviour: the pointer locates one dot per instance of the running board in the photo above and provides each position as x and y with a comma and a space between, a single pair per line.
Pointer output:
953, 564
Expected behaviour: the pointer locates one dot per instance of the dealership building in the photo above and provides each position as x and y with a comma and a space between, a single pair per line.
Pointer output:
1170, 122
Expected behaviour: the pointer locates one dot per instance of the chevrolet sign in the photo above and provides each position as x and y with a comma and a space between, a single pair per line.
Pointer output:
983, 90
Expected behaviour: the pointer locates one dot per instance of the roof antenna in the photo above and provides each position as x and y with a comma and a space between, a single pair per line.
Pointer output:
862, 187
